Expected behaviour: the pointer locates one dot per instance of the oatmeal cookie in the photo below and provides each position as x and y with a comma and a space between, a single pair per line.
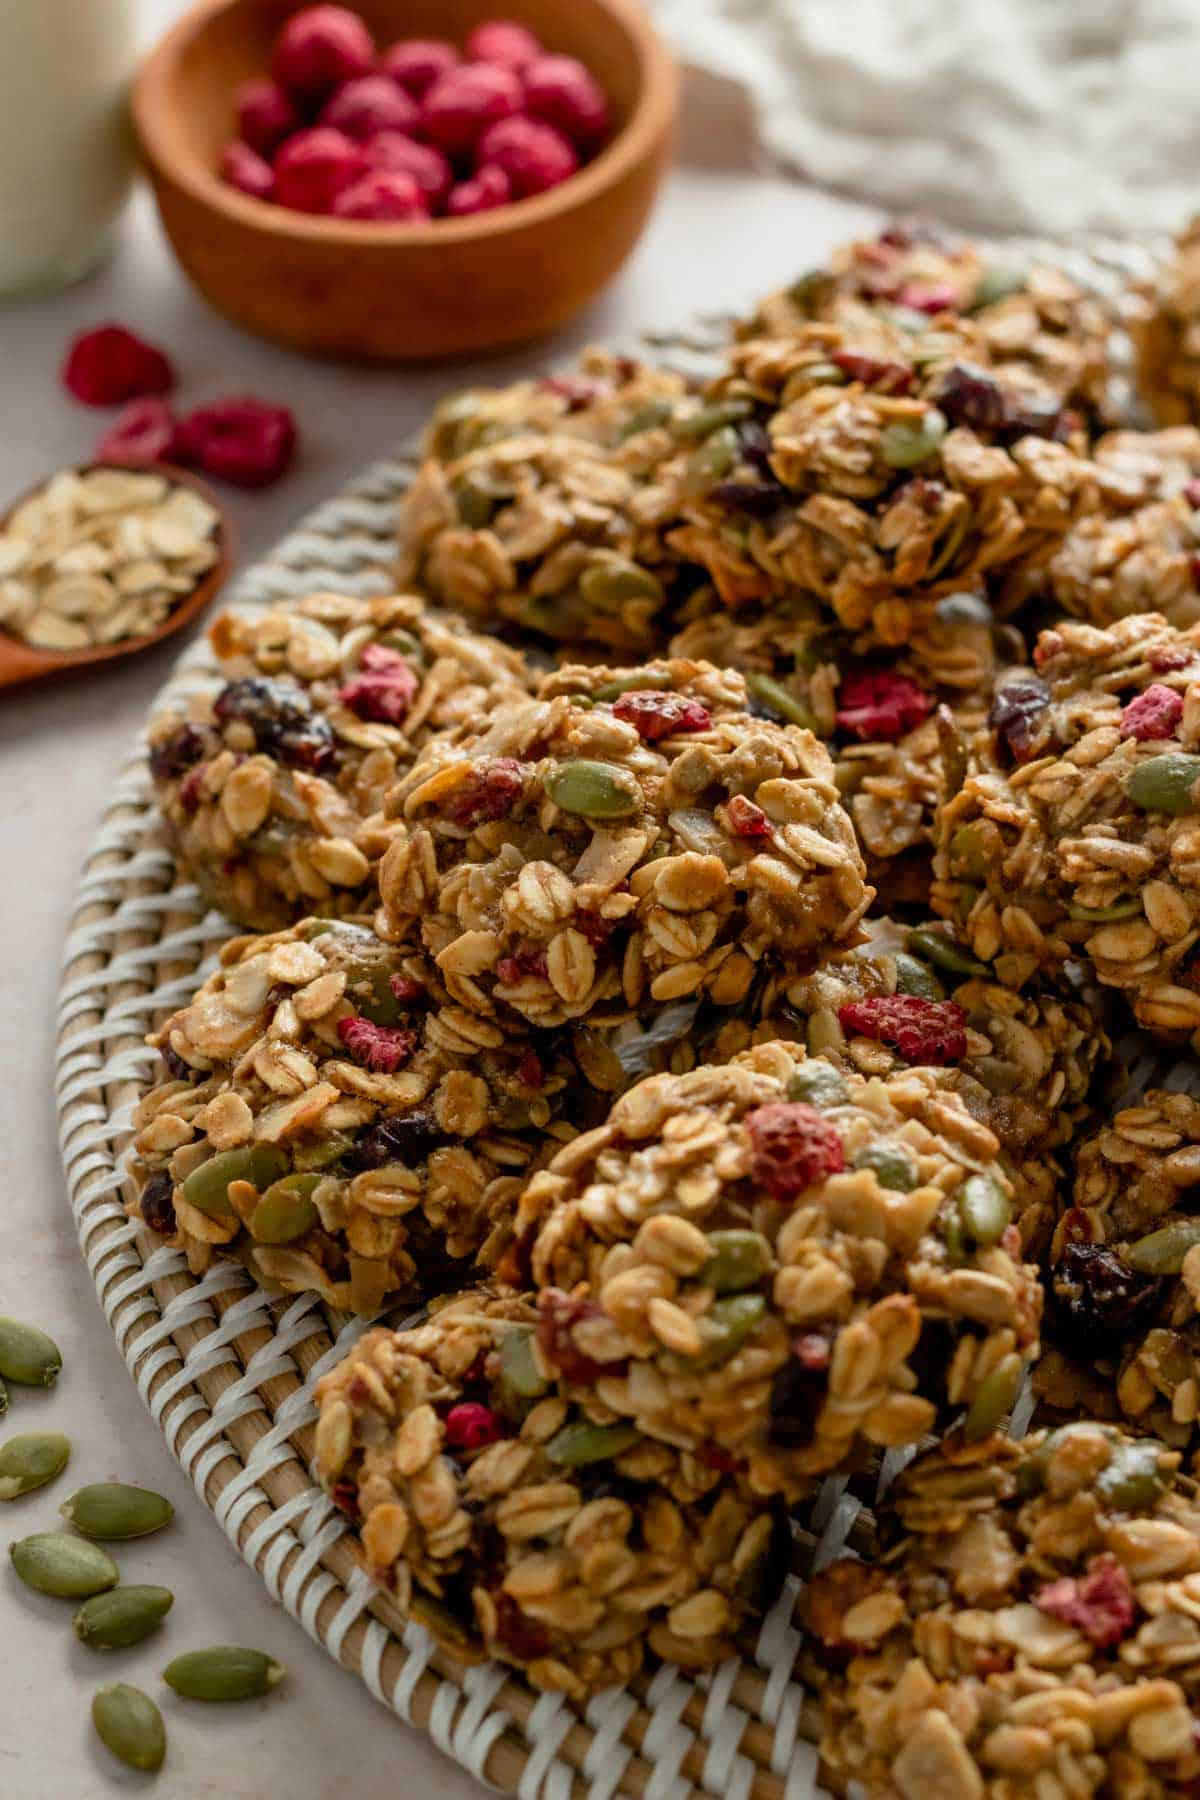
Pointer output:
322, 1117
521, 1525
627, 837
1078, 832
781, 1260
1166, 334
1034, 1628
269, 787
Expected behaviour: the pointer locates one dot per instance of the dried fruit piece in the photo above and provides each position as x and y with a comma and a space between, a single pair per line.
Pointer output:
384, 687
370, 104
225, 1672
746, 819
463, 103
655, 714
376, 1046
492, 790
488, 187
1152, 714
30, 1461
535, 157
1098, 1300
110, 364
123, 1617
1100, 1603
874, 704
919, 1030
504, 42
416, 63
791, 1146
315, 166
266, 115
428, 167
385, 195
129, 1724
247, 171
561, 91
242, 440
145, 431
320, 47
115, 1510
472, 1426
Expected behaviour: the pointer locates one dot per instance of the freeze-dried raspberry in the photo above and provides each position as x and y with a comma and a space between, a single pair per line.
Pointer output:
245, 441
577, 390
791, 1146
378, 1047
558, 1315
512, 969
470, 1426
655, 714
370, 104
534, 157
594, 926
524, 1638
746, 819
561, 92
385, 195
921, 1031
144, 431
491, 791
1100, 1603
461, 105
110, 365
1152, 714
384, 687
873, 371
428, 167
505, 43
1170, 656
244, 169
265, 115
315, 166
416, 63
928, 296
320, 47
875, 704
405, 988
487, 188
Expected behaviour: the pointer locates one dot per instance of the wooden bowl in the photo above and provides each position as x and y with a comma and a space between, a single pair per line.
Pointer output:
398, 292
21, 662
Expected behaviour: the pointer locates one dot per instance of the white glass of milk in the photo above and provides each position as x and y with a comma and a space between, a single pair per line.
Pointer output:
66, 154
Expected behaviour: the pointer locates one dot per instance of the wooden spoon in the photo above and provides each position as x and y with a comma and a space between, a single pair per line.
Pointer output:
21, 662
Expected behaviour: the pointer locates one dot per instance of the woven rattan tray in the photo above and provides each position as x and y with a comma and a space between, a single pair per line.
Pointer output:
227, 1371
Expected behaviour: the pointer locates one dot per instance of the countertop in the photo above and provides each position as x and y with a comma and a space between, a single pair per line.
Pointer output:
722, 233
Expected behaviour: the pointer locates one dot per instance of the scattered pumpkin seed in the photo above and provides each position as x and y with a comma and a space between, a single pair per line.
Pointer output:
581, 1443
818, 1082
519, 1372
1165, 783
994, 1398
207, 1187
122, 1617
111, 1509
593, 790
916, 977
775, 697
1162, 1252
935, 947
738, 1260
130, 1725
224, 1672
28, 1356
903, 446
984, 1209
30, 1461
892, 1168
70, 1568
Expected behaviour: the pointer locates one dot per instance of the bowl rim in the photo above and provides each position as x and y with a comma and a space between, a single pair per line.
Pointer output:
651, 119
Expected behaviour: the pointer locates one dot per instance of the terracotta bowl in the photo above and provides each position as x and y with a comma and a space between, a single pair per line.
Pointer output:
398, 292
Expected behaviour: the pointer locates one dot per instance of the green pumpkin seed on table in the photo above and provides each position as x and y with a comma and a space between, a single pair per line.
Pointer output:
29, 1461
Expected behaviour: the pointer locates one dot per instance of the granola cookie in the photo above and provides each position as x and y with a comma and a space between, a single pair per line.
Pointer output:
1033, 1630
269, 787
1124, 1273
1078, 832
1166, 335
781, 1263
629, 837
322, 1117
521, 1525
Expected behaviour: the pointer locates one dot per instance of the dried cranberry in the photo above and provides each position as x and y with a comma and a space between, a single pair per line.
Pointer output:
369, 104
463, 103
416, 63
109, 365
505, 43
344, 1494
970, 396
791, 1146
558, 1315
1152, 714
145, 431
529, 1070
265, 115
1017, 714
1100, 1604
759, 497
428, 167
1098, 1300
746, 819
487, 188
470, 1426
178, 1068
874, 371
378, 1047
928, 296
798, 1390
157, 1203
920, 1031
189, 789
713, 1456
875, 704
520, 1635
534, 157
178, 753
244, 169
561, 92
281, 718
490, 792
656, 714
384, 687
594, 927
1166, 657
512, 969
242, 440
409, 1138
577, 390
320, 47
406, 989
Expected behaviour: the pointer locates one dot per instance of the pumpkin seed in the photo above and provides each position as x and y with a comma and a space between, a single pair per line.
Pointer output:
130, 1725
892, 1168
916, 977
817, 1082
322, 1152
3, 1398
1133, 1477
53, 1562
775, 697
996, 283
1164, 783
1162, 1252
286, 1211
814, 375
903, 446
112, 1509
690, 427
123, 1617
725, 1327
810, 289
994, 1398
476, 501
581, 1443
30, 1461
646, 418
629, 684
606, 585
28, 1356
967, 896
207, 1187
738, 1260
937, 948
225, 1672
1102, 915
519, 1372
984, 1210
593, 790
715, 457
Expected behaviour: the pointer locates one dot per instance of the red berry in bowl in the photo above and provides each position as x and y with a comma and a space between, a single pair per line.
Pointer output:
561, 92
265, 115
428, 167
242, 440
368, 105
487, 188
503, 42
314, 166
110, 364
534, 157
416, 63
461, 105
144, 431
319, 48
384, 194
244, 169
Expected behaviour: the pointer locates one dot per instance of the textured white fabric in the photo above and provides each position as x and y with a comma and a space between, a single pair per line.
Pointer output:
1053, 116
